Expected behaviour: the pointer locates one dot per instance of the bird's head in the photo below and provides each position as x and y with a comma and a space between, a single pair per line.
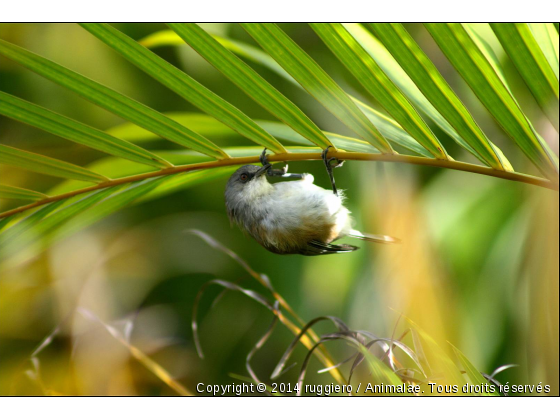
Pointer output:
247, 183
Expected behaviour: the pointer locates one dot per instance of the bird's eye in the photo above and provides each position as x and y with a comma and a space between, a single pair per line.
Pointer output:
244, 177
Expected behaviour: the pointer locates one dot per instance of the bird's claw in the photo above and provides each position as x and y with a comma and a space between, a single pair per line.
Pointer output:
270, 171
263, 158
339, 162
283, 172
330, 167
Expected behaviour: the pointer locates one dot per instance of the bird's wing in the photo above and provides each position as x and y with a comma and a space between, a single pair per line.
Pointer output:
320, 248
381, 239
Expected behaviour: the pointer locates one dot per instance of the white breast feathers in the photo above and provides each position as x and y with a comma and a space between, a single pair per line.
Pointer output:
301, 209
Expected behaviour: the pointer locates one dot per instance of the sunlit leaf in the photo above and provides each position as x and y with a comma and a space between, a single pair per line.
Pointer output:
44, 226
59, 125
183, 85
473, 66
6, 221
376, 82
388, 127
520, 44
476, 32
436, 89
7, 191
474, 375
46, 165
316, 81
111, 100
546, 36
201, 123
250, 81
25, 224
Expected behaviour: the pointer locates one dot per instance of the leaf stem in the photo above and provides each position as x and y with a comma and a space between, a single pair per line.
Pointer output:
292, 157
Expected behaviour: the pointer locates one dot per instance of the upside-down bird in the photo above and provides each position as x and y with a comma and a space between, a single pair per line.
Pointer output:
296, 217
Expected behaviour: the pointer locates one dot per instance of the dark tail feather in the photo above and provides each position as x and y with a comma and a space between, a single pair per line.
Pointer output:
381, 239
320, 248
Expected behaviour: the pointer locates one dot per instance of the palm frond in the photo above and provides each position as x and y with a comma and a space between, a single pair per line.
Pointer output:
375, 81
432, 84
475, 68
387, 62
111, 100
45, 165
54, 123
183, 85
16, 193
316, 81
250, 82
521, 46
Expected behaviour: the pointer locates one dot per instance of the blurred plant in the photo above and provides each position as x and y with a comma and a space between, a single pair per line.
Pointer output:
430, 364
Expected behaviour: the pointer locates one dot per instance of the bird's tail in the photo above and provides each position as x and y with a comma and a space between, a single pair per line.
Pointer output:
382, 239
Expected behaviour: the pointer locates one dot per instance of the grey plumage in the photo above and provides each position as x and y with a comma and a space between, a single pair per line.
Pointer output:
294, 217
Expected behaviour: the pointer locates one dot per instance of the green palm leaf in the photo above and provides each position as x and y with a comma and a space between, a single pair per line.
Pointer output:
75, 203
241, 49
16, 230
209, 126
183, 85
44, 119
396, 73
376, 82
46, 165
432, 84
388, 127
43, 226
473, 66
316, 81
250, 82
111, 100
16, 193
521, 46
546, 36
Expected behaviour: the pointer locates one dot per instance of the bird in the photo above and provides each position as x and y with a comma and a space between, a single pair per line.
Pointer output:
295, 217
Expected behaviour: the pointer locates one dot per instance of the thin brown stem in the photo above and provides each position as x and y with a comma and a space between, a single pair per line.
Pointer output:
292, 157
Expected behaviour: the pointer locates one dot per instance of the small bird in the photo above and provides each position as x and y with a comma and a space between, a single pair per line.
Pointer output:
296, 217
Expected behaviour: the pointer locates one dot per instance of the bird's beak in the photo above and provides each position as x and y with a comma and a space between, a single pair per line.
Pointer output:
263, 170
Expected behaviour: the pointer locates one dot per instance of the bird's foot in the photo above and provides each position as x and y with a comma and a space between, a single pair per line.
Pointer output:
263, 158
328, 164
277, 172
